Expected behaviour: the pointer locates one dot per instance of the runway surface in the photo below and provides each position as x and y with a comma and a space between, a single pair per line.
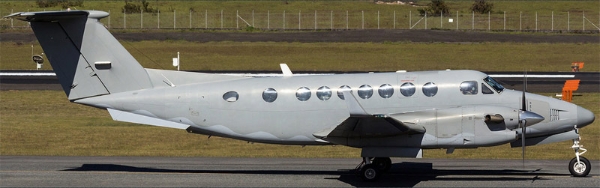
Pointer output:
32, 171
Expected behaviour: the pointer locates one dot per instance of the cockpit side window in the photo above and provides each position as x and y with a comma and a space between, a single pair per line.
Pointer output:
495, 85
469, 88
485, 89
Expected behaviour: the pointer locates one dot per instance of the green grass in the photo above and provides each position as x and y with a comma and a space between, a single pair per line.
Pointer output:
341, 56
45, 123
207, 14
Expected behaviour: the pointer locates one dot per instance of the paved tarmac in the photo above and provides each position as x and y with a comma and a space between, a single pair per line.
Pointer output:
43, 171
367, 35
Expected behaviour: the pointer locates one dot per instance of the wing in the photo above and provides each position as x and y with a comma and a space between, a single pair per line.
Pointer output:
364, 125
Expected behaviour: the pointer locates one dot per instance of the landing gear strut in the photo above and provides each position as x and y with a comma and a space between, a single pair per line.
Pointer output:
579, 166
371, 168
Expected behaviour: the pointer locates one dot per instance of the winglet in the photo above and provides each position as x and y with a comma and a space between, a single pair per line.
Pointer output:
285, 70
354, 107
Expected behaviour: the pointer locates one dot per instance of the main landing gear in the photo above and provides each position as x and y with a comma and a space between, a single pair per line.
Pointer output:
579, 166
371, 168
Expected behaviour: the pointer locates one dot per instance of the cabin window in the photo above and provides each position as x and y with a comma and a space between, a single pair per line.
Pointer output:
495, 85
485, 89
469, 88
343, 88
231, 96
386, 91
303, 94
269, 95
430, 89
407, 89
365, 91
324, 93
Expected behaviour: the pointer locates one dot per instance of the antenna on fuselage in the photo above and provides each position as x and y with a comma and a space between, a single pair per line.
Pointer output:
285, 70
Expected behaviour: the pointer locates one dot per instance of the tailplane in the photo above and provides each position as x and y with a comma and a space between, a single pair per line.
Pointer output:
86, 58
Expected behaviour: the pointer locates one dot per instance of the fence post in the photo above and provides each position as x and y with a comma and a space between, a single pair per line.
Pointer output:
11, 20
205, 19
456, 20
552, 21
583, 19
489, 21
425, 20
190, 19
520, 18
268, 20
221, 18
315, 20
237, 19
158, 19
394, 19
331, 20
299, 20
473, 21
363, 19
252, 18
124, 19
377, 19
174, 13
346, 19
410, 19
536, 21
504, 20
284, 20
442, 20
568, 21
108, 18
142, 19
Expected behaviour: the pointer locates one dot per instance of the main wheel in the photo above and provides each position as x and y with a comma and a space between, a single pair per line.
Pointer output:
369, 172
581, 168
383, 163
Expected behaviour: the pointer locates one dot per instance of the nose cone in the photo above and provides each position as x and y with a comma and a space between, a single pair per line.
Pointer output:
584, 117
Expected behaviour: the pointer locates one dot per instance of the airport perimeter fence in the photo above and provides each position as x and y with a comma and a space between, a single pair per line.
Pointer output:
345, 20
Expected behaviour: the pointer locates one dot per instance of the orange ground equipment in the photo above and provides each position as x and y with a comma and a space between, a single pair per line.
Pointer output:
576, 66
567, 91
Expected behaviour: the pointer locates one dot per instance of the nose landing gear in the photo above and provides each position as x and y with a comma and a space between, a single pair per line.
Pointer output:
579, 166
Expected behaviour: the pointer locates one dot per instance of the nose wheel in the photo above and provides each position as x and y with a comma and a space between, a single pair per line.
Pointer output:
579, 166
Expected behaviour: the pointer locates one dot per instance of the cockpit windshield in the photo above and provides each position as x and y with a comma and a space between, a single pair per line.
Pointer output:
490, 81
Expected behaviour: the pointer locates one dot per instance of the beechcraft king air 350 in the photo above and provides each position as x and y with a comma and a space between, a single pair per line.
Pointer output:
396, 114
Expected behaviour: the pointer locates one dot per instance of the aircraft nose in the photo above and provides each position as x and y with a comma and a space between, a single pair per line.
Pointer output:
584, 117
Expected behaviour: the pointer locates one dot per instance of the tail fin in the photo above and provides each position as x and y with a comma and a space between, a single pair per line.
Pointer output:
86, 58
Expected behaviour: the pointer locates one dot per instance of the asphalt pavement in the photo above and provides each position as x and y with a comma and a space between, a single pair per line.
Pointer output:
52, 171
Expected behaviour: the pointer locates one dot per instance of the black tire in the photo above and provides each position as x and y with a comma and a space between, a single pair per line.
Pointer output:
369, 173
581, 169
382, 163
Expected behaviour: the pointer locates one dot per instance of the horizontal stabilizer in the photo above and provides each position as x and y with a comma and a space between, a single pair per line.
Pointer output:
118, 115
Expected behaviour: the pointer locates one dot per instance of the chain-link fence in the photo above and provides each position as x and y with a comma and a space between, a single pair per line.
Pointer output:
341, 20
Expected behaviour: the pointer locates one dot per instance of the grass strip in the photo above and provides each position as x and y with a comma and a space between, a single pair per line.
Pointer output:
387, 56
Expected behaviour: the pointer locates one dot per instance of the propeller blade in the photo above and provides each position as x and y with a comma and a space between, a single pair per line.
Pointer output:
523, 103
523, 129
525, 115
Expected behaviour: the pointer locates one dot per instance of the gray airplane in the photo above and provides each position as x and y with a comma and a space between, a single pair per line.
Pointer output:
396, 114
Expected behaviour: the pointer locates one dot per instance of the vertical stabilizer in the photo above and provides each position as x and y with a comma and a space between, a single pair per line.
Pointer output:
86, 58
